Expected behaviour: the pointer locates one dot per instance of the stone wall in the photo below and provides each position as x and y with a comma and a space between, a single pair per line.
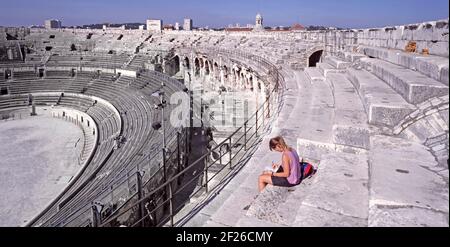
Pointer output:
433, 36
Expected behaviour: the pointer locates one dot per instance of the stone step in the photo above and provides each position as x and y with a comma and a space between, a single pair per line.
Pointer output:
384, 107
278, 205
326, 68
314, 74
314, 151
339, 193
413, 86
353, 57
336, 62
407, 186
350, 121
432, 66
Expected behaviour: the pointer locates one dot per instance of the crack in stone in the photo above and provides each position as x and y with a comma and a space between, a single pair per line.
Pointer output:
386, 206
333, 212
445, 179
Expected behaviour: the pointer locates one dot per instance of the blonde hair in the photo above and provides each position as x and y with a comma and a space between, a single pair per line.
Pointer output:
278, 141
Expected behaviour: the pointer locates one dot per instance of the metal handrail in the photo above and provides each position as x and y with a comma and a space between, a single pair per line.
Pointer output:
204, 157
175, 177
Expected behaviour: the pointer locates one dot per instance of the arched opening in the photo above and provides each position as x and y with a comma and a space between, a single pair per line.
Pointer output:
41, 73
177, 60
196, 67
8, 74
216, 71
173, 67
206, 67
225, 73
250, 82
187, 65
315, 58
157, 59
237, 83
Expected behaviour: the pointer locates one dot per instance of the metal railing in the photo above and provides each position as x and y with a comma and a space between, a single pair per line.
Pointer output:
167, 199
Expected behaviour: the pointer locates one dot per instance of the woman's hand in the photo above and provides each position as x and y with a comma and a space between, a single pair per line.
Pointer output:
275, 165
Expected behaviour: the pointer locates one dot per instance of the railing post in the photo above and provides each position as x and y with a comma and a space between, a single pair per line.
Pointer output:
256, 123
178, 155
164, 164
245, 136
170, 204
141, 212
220, 155
263, 113
206, 174
230, 155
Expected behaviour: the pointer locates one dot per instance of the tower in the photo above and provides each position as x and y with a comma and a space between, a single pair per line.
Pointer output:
187, 26
259, 23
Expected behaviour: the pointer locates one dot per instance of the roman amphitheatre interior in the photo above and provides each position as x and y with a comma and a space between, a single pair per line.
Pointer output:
163, 127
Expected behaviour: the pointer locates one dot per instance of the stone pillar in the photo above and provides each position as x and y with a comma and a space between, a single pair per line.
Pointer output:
163, 65
241, 80
222, 77
255, 84
183, 66
201, 69
263, 88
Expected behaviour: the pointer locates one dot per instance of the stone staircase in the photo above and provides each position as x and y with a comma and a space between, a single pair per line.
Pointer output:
384, 107
359, 120
413, 86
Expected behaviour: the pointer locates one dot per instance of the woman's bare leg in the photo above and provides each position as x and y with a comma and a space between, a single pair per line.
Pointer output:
263, 181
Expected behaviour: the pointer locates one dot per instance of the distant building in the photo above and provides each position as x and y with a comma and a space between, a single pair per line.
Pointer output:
297, 27
141, 27
107, 27
168, 27
177, 26
187, 26
259, 23
52, 24
154, 25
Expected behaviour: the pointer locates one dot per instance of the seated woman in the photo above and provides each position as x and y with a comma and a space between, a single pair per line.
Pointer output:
290, 174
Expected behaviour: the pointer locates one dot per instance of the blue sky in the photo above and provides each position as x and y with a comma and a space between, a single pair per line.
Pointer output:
340, 13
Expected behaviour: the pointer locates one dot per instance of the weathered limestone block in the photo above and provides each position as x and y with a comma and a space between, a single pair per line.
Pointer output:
341, 185
312, 149
434, 67
309, 216
382, 104
404, 189
351, 136
405, 216
413, 86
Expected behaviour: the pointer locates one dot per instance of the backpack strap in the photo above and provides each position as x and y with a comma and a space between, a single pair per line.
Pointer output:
302, 167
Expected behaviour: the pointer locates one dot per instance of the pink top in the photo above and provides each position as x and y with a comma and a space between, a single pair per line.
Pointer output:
294, 167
